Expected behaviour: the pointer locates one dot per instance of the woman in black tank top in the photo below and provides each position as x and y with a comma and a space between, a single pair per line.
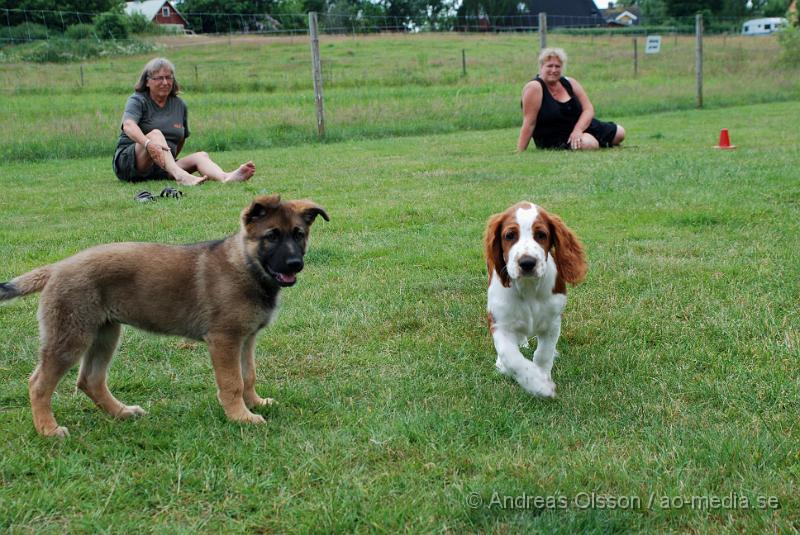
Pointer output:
558, 114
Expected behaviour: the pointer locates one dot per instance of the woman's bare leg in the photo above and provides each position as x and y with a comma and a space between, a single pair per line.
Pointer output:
155, 154
588, 142
202, 162
619, 136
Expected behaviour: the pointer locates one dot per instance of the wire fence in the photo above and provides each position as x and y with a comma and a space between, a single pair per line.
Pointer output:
19, 26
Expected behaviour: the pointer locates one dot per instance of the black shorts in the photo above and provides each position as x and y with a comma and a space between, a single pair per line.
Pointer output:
603, 132
125, 166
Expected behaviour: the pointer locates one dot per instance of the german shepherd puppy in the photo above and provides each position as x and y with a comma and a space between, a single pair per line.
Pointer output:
223, 292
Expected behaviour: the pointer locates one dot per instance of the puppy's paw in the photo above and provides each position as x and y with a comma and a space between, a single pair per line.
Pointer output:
536, 383
130, 411
255, 419
501, 368
257, 401
58, 432
248, 418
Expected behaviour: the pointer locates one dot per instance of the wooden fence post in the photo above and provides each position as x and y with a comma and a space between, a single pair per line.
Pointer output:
698, 58
316, 72
542, 30
635, 58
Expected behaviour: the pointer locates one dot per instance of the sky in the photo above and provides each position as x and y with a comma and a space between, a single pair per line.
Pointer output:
602, 4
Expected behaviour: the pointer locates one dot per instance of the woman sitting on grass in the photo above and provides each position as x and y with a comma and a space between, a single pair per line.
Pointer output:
154, 128
557, 113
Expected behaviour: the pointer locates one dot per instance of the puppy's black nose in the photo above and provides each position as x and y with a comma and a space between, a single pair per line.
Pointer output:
527, 263
295, 265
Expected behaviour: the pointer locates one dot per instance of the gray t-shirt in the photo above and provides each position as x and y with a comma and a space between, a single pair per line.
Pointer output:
171, 119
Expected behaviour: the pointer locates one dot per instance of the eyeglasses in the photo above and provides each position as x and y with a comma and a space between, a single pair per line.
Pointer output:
160, 79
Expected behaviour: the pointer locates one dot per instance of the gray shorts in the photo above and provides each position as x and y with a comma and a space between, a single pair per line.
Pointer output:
125, 166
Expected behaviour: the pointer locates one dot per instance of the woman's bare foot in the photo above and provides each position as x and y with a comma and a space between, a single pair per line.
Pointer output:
243, 173
188, 179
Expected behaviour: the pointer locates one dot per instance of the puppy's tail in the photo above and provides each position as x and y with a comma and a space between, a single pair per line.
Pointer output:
29, 283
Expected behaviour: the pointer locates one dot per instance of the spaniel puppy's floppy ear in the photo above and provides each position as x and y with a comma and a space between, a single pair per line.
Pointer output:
493, 249
569, 256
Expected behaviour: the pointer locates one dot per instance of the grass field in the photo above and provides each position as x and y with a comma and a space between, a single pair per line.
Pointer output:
257, 92
678, 376
677, 380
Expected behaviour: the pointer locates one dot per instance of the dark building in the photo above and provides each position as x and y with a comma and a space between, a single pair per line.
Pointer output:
569, 13
494, 15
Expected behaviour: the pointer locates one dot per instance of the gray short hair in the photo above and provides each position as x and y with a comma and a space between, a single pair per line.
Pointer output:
553, 53
152, 67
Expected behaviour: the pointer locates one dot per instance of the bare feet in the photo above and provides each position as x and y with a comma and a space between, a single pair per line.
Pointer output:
243, 173
188, 179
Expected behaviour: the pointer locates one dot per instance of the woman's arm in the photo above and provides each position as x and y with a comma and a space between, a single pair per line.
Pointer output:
531, 102
586, 116
133, 131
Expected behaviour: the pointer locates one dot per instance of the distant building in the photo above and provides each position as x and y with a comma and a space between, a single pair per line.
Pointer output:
161, 12
763, 26
621, 16
562, 13
525, 15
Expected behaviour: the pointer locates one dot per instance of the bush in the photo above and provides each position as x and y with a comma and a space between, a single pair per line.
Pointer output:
63, 50
80, 31
111, 25
27, 31
138, 24
789, 39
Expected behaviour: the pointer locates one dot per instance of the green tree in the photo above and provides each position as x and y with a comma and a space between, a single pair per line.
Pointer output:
222, 16
111, 25
649, 9
493, 11
55, 14
687, 8
773, 8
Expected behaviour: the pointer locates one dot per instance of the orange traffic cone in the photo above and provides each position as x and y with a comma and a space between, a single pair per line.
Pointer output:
724, 140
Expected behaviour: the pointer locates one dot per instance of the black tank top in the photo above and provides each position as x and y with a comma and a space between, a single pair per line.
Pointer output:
555, 120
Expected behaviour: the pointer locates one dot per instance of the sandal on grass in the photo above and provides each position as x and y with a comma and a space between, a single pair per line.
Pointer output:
144, 196
171, 192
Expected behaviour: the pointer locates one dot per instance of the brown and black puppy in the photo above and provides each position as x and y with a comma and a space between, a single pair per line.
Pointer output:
222, 292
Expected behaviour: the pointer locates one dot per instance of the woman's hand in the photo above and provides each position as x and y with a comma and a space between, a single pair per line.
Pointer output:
575, 140
155, 145
157, 152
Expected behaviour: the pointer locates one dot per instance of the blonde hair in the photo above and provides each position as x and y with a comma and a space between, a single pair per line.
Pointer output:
152, 67
553, 53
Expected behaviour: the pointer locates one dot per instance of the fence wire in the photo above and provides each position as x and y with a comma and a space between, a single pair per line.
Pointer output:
19, 26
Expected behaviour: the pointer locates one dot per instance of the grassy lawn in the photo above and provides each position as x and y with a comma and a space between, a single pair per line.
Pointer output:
257, 93
677, 379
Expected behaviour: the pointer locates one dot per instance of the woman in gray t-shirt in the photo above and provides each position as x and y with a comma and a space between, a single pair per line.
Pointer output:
154, 128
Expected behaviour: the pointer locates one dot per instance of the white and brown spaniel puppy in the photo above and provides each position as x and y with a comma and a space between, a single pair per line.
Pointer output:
530, 256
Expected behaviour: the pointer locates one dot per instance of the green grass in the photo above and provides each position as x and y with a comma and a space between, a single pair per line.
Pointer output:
257, 93
678, 373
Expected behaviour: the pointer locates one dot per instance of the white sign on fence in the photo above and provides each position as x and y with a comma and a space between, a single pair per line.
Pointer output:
653, 44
